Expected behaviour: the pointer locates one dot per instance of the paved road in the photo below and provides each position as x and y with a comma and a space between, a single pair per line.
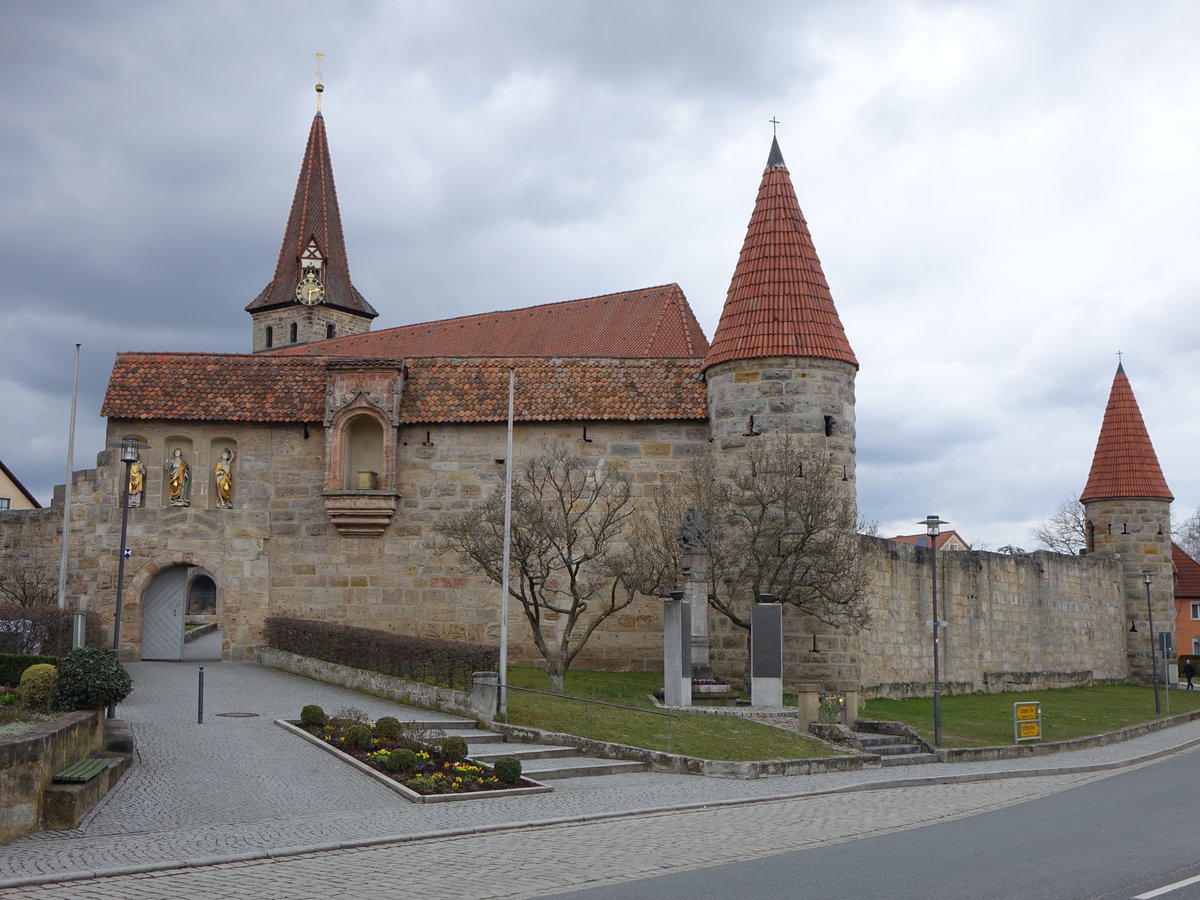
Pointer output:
239, 796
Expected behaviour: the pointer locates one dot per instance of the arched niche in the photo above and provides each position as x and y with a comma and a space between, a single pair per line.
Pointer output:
363, 459
180, 477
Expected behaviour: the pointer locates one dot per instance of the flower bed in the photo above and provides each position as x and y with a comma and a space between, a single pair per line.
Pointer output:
422, 767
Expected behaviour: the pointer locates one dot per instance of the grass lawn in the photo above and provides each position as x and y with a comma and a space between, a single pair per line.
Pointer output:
693, 734
981, 720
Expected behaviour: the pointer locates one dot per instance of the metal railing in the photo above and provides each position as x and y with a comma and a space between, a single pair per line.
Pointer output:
589, 702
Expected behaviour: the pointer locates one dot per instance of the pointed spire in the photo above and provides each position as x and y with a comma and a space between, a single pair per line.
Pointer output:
1125, 464
778, 302
314, 232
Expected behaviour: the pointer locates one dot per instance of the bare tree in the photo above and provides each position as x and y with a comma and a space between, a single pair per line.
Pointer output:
1187, 534
570, 569
1064, 531
780, 523
25, 581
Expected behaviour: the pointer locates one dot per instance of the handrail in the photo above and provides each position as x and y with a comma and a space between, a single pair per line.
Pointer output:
587, 700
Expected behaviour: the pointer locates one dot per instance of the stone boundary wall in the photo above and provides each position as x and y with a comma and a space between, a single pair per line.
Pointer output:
29, 761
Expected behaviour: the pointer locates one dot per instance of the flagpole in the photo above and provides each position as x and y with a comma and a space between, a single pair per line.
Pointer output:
508, 470
66, 528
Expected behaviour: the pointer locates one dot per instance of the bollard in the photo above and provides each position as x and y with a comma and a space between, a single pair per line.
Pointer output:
200, 700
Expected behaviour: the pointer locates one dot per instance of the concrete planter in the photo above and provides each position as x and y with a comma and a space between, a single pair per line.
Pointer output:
406, 792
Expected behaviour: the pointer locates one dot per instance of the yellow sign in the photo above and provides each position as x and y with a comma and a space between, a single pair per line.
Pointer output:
1028, 730
1026, 712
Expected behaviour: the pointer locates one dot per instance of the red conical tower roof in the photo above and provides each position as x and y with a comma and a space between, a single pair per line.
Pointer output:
1125, 464
778, 302
314, 219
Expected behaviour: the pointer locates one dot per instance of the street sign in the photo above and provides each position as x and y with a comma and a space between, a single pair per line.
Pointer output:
1027, 721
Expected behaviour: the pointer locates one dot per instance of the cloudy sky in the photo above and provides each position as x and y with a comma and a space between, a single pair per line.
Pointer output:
1003, 196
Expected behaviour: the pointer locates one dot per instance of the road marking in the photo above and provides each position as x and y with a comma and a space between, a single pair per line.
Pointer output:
1167, 889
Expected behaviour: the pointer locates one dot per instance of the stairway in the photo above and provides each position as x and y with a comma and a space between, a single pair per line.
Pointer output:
894, 750
540, 762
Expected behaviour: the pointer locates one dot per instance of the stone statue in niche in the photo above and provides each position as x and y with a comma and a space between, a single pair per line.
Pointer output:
179, 480
137, 483
223, 479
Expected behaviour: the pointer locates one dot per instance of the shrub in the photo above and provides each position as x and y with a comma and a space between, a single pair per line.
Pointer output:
358, 737
347, 716
388, 728
508, 769
38, 685
312, 716
454, 749
402, 761
89, 678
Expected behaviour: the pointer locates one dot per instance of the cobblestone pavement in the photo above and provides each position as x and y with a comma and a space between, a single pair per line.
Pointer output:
239, 796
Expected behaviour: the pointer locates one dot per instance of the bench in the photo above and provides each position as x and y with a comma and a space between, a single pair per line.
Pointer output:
84, 770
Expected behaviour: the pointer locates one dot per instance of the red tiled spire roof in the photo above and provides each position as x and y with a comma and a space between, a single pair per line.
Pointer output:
778, 302
274, 388
651, 323
314, 217
1125, 464
1187, 573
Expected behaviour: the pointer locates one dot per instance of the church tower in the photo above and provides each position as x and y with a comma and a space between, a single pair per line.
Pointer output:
1127, 513
311, 297
780, 362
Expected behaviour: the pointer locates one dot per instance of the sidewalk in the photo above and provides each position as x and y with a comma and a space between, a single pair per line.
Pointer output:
240, 788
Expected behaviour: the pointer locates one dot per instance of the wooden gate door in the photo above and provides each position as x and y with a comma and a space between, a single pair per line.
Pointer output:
162, 615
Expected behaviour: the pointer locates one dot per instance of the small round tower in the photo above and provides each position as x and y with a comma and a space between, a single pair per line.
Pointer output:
1127, 516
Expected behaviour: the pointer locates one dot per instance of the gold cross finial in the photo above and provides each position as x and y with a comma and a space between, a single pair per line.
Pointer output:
320, 77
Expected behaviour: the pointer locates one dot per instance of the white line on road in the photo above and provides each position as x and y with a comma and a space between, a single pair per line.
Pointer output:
1166, 889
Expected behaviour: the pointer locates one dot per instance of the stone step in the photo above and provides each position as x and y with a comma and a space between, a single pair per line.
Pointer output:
577, 766
896, 749
474, 735
870, 739
908, 759
489, 753
455, 724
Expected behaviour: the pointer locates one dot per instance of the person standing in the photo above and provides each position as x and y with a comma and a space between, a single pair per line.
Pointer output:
1188, 671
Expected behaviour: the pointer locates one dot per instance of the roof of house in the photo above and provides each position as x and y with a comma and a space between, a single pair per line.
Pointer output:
1187, 574
270, 388
650, 323
314, 217
20, 487
922, 540
778, 302
1124, 464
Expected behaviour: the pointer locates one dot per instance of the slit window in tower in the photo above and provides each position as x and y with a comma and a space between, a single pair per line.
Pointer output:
293, 333
830, 421
270, 337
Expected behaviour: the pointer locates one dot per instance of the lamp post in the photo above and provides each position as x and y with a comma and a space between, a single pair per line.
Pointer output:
932, 525
1147, 577
129, 453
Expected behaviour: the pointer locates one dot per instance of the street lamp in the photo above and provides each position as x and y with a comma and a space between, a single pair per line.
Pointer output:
129, 454
1148, 577
932, 526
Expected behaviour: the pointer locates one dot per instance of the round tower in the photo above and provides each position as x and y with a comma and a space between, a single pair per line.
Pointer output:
779, 363
1127, 516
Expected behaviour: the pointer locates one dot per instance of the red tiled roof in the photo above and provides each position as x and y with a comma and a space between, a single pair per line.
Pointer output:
216, 388
314, 215
1125, 464
922, 540
565, 389
265, 388
1187, 573
778, 302
654, 322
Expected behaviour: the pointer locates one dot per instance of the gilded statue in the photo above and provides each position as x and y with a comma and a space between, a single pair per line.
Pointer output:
179, 480
137, 483
223, 477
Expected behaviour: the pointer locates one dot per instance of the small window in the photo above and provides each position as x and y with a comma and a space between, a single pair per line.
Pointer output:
293, 332
1196, 612
1196, 646
4, 503
330, 330
270, 336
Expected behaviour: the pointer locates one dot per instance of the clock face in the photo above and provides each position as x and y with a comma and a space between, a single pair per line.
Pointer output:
310, 291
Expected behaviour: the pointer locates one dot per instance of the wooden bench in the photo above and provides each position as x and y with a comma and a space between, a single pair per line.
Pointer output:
84, 770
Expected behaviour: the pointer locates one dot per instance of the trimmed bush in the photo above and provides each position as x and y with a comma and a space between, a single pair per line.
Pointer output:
508, 769
454, 749
358, 737
38, 685
388, 728
312, 716
402, 761
90, 678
